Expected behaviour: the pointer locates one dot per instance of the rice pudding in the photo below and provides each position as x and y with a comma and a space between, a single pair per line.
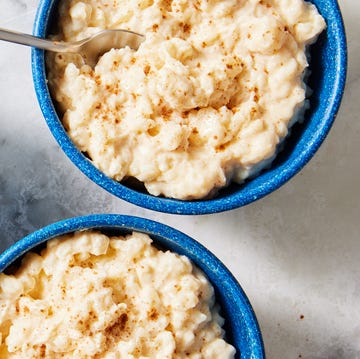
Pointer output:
87, 295
204, 101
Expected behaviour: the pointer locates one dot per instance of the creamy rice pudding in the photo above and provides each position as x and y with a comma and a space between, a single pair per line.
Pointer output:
206, 98
87, 295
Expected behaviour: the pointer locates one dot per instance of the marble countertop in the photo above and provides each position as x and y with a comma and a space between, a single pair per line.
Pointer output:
296, 253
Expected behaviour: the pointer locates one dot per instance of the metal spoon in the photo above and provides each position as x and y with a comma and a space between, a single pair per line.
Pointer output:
90, 48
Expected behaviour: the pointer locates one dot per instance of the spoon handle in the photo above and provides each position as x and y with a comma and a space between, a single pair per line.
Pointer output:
29, 40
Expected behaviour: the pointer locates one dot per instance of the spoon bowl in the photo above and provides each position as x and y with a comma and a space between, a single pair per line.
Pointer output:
90, 48
96, 45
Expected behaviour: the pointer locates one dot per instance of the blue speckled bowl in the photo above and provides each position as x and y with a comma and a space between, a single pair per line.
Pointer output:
328, 68
242, 329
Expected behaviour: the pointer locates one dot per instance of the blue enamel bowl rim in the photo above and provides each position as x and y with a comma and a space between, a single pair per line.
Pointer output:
238, 311
254, 189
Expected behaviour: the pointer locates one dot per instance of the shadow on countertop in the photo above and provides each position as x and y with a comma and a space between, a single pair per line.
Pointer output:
39, 186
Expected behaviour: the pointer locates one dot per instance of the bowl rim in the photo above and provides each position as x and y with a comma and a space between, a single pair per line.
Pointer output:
237, 303
260, 186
